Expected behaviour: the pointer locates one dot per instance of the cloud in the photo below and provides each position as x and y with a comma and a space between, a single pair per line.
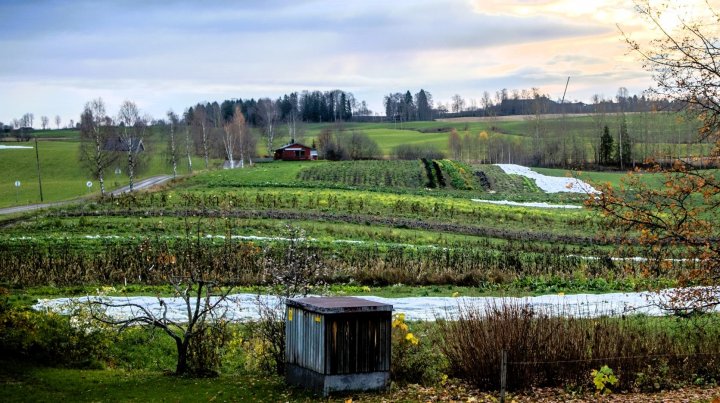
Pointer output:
166, 53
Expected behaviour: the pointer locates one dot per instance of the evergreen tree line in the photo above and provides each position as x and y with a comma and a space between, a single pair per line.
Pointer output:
307, 106
406, 107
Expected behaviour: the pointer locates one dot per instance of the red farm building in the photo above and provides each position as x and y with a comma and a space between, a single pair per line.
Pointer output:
295, 152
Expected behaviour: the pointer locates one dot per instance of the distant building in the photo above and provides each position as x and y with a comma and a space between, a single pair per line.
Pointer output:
118, 144
295, 152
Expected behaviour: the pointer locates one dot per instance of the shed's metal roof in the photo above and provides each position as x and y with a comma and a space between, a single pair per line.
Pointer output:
338, 304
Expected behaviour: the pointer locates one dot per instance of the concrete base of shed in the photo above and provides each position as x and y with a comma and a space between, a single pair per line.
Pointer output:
327, 384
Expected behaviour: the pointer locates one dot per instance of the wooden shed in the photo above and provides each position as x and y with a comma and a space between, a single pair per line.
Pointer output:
295, 152
337, 344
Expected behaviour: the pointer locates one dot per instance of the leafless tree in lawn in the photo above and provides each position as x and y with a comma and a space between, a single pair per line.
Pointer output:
131, 133
205, 303
232, 134
173, 125
268, 111
57, 121
200, 118
188, 145
44, 121
94, 136
297, 272
458, 103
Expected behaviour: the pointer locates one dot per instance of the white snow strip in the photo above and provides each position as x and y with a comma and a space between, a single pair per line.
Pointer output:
244, 307
526, 204
549, 184
4, 147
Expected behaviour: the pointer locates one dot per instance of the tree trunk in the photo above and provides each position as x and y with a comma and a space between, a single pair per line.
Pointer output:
99, 164
173, 154
182, 350
101, 179
131, 167
187, 148
205, 144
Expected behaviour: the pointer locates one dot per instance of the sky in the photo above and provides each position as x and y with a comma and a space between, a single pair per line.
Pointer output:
171, 54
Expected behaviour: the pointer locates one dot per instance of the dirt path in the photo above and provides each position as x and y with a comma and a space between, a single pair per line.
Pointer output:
143, 184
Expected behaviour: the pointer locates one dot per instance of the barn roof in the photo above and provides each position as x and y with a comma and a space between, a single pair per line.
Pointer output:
291, 145
118, 144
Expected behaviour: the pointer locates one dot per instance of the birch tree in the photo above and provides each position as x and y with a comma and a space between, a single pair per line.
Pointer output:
173, 124
188, 146
232, 133
268, 112
94, 135
131, 133
200, 119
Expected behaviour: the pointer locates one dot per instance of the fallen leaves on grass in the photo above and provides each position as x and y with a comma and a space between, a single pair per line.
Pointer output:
459, 392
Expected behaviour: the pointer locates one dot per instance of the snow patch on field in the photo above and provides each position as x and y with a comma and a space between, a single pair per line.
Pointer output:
4, 147
244, 307
549, 184
526, 204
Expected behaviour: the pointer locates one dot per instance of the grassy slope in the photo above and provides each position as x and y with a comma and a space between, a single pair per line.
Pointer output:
612, 178
62, 176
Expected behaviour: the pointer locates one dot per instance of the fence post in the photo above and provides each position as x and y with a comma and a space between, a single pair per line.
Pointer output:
503, 375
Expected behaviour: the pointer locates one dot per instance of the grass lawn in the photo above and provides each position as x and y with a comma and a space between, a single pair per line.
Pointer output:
613, 178
62, 175
26, 383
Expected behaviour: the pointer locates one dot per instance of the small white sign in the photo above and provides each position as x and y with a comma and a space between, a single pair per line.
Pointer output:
17, 184
88, 184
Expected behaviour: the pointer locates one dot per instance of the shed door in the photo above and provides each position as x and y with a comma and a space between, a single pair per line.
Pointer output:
358, 343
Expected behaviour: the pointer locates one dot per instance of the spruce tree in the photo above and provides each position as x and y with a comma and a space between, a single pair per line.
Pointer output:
606, 147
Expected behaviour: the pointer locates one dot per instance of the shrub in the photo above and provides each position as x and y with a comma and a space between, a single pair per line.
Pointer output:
544, 350
50, 339
415, 356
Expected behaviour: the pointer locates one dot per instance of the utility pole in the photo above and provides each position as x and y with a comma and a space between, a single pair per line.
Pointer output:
37, 161
564, 131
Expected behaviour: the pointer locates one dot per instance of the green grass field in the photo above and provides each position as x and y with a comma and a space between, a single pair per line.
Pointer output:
61, 172
64, 179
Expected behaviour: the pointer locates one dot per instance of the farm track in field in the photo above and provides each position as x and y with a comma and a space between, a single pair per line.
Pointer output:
406, 223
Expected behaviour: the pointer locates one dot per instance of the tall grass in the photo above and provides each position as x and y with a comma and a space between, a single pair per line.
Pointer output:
557, 350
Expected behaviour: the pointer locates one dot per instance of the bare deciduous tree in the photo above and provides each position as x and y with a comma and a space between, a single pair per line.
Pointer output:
172, 125
203, 301
458, 103
44, 121
268, 111
57, 121
94, 136
131, 134
233, 132
200, 118
296, 273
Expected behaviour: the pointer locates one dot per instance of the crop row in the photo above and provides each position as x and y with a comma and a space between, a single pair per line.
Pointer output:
357, 202
426, 173
439, 226
150, 261
367, 173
